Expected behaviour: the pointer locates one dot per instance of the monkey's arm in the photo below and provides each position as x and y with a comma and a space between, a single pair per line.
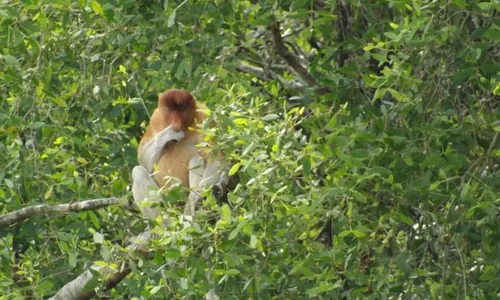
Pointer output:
150, 151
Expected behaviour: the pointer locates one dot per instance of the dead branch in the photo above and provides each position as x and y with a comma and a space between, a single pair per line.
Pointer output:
268, 75
45, 209
293, 61
258, 72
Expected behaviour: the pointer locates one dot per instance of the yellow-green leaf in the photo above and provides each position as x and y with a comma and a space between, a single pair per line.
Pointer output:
97, 7
234, 169
369, 47
48, 193
155, 290
399, 96
226, 213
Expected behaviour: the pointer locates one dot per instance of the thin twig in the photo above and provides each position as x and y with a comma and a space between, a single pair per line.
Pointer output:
477, 161
268, 75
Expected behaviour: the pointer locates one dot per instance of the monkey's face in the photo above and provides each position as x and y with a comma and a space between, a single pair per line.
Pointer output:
181, 108
181, 117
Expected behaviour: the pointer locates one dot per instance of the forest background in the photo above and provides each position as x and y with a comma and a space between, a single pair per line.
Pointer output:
364, 135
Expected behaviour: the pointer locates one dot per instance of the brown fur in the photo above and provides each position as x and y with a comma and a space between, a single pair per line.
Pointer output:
181, 110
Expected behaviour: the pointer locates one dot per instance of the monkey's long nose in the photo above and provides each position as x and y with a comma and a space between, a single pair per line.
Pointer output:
176, 126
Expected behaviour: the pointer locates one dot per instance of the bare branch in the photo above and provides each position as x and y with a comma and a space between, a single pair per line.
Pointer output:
292, 60
294, 32
258, 72
45, 209
267, 75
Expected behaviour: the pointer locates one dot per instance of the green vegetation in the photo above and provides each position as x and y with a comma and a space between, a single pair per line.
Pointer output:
364, 134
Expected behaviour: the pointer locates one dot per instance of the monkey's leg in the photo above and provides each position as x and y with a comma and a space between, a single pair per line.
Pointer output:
151, 151
196, 170
212, 173
146, 193
210, 176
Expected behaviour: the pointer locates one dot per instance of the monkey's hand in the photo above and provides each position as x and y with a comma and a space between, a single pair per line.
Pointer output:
151, 151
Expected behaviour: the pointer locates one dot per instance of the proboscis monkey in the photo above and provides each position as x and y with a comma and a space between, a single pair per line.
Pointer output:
170, 142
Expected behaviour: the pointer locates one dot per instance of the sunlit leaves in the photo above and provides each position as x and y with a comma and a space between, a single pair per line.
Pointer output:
96, 6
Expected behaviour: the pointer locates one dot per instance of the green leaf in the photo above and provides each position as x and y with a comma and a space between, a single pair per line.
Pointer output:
44, 286
48, 193
171, 19
492, 34
466, 193
233, 234
94, 219
232, 272
11, 60
36, 125
270, 117
253, 241
96, 6
484, 6
460, 3
181, 70
173, 253
9, 183
234, 169
155, 290
240, 121
306, 165
360, 153
434, 185
470, 213
72, 259
98, 238
406, 219
359, 197
488, 273
398, 96
226, 213
59, 101
432, 160
369, 47
402, 260
323, 287
463, 75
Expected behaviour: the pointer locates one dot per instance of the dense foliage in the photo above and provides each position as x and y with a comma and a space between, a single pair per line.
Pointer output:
364, 134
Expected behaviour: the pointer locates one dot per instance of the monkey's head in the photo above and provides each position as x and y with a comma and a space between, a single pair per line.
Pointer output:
181, 108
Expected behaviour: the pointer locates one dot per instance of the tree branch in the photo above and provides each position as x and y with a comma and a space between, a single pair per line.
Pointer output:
293, 61
258, 72
45, 209
268, 75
